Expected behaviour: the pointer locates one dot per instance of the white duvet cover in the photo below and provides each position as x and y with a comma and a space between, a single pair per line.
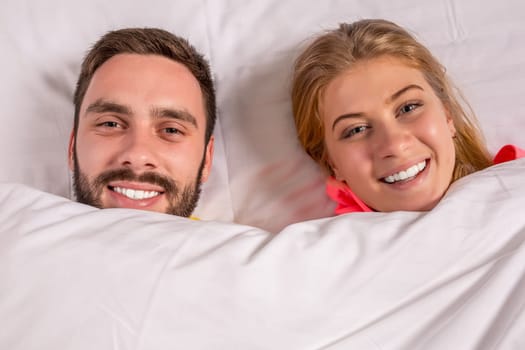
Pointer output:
256, 272
75, 277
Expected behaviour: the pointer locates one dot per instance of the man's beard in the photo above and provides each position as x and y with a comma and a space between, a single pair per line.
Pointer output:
180, 203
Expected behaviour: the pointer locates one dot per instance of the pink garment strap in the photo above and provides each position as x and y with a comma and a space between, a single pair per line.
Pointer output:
508, 152
347, 201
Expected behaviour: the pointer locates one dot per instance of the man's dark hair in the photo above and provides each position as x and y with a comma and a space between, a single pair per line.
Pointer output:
148, 41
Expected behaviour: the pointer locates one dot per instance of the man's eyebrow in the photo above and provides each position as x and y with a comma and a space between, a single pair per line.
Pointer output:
174, 114
389, 100
104, 106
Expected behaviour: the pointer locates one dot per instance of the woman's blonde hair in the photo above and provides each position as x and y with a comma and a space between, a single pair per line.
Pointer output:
338, 50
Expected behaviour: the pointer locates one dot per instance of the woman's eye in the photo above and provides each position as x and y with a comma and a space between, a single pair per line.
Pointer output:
354, 131
409, 107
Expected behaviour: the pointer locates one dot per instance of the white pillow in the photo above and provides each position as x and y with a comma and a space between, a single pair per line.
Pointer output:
260, 175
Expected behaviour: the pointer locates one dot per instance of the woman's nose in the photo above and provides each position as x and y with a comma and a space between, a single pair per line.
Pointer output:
392, 140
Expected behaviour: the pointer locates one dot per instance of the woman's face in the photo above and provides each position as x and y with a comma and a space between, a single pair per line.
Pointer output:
388, 136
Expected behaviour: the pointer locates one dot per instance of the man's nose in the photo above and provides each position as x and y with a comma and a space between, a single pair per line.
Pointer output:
138, 151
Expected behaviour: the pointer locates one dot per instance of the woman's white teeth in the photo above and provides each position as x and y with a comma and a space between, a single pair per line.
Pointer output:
406, 174
135, 194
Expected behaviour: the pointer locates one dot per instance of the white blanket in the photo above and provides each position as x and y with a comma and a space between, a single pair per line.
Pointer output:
75, 277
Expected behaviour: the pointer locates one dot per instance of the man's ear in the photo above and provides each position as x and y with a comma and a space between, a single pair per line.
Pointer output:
71, 151
208, 159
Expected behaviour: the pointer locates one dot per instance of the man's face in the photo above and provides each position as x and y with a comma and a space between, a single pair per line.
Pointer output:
140, 139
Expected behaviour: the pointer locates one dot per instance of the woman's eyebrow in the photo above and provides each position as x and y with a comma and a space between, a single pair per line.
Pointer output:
402, 91
389, 100
345, 116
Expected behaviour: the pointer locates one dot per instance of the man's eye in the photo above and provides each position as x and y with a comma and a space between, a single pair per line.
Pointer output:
110, 124
354, 131
172, 131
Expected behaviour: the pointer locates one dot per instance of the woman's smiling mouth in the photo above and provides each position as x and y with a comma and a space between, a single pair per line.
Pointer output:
406, 174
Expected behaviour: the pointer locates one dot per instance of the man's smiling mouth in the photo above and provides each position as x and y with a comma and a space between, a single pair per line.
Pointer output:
134, 194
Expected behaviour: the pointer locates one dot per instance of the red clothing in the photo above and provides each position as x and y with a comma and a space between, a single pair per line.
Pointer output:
508, 152
348, 202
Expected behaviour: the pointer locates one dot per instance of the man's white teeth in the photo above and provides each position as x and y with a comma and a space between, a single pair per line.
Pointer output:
135, 194
406, 174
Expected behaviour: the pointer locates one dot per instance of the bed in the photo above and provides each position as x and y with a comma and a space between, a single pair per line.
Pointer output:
267, 266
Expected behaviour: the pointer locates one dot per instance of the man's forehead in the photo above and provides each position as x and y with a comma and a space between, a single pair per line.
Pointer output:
144, 62
146, 81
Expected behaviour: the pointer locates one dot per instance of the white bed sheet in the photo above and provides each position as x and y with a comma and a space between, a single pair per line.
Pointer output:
75, 277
